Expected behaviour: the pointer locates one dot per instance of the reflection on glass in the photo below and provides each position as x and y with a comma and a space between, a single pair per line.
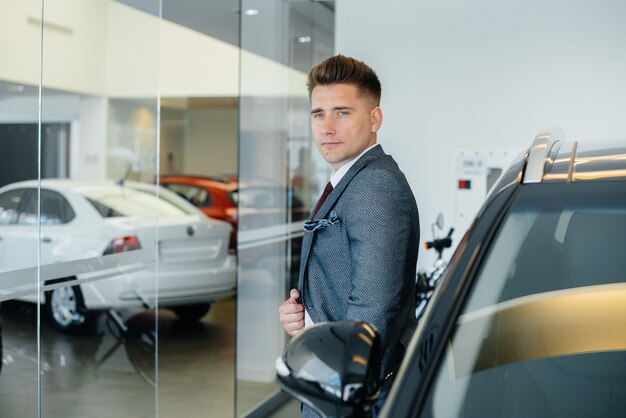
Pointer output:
198, 163
20, 152
279, 176
542, 331
100, 82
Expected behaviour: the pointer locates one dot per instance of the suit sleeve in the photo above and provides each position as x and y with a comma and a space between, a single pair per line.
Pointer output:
379, 228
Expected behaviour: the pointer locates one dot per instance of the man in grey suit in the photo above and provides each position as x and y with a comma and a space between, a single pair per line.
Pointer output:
360, 246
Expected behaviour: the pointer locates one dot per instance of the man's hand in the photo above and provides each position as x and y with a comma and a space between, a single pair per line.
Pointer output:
291, 314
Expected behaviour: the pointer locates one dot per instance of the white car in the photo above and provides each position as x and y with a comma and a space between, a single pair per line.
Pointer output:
99, 250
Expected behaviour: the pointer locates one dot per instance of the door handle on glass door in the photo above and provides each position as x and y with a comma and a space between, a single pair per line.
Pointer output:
46, 240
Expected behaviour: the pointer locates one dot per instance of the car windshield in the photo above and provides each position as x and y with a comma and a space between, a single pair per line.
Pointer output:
542, 332
131, 201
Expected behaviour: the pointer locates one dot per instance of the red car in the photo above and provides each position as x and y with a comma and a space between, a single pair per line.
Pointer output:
214, 196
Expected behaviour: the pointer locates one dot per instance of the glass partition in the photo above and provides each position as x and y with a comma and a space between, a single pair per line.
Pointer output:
118, 296
100, 217
198, 163
19, 141
280, 176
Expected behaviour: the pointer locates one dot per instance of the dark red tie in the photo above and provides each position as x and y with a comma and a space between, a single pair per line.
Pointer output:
327, 190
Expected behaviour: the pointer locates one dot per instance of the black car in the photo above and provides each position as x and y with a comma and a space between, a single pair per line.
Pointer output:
529, 319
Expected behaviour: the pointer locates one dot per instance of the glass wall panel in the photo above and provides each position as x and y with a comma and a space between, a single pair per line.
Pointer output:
100, 229
280, 176
20, 30
198, 156
118, 295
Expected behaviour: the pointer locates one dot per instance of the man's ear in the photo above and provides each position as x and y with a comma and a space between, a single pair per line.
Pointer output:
376, 118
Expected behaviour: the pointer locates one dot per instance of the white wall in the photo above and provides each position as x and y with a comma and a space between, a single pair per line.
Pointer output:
88, 152
73, 43
459, 73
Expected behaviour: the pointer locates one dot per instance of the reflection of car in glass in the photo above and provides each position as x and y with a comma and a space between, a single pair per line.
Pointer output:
247, 207
273, 215
260, 204
215, 196
98, 248
529, 317
212, 195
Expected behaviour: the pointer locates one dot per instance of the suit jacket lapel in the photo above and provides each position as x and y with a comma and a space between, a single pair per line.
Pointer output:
368, 157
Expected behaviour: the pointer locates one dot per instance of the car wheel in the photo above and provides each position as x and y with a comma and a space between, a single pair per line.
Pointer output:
66, 308
192, 312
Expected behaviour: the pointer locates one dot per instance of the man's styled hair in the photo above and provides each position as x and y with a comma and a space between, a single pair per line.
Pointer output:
340, 69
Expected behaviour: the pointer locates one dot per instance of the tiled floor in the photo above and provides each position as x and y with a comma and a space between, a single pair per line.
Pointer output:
108, 375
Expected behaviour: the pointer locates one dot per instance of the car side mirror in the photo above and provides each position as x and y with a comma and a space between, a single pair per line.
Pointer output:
333, 367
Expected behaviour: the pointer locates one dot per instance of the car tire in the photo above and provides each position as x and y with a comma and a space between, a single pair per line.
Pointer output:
193, 312
66, 309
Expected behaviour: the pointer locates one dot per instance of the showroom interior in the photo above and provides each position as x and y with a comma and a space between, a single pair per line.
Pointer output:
100, 99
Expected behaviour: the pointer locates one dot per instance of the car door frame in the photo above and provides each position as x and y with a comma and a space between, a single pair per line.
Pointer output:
428, 346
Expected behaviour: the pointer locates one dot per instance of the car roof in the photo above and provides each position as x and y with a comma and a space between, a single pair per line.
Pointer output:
552, 159
219, 179
71, 184
215, 182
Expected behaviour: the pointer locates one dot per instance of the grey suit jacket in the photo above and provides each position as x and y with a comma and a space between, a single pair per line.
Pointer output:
362, 265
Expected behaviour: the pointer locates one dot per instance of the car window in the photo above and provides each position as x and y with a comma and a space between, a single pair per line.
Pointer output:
9, 203
104, 210
129, 201
195, 195
55, 209
542, 333
28, 209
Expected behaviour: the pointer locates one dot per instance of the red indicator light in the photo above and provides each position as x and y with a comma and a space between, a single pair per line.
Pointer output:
465, 184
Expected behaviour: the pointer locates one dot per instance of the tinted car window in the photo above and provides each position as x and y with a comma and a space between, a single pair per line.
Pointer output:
104, 210
542, 333
9, 203
55, 209
29, 208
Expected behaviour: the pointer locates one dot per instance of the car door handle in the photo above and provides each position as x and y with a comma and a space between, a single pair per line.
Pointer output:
46, 240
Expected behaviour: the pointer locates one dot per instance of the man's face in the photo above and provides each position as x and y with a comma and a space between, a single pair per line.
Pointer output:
344, 123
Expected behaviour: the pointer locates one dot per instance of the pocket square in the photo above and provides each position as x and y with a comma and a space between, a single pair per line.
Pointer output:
314, 225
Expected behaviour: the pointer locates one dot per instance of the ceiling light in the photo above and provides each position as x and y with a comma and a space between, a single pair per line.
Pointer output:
251, 12
304, 39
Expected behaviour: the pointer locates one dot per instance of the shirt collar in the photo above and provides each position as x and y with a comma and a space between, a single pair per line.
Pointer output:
338, 175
